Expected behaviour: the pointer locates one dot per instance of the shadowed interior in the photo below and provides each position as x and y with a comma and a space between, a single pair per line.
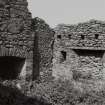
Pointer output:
10, 67
98, 53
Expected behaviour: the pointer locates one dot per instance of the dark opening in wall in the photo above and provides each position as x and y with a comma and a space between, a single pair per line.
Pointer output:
10, 67
69, 36
59, 36
83, 52
63, 56
1, 6
82, 37
2, 3
96, 36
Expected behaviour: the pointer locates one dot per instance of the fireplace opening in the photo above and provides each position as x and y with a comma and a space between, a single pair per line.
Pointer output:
83, 52
10, 67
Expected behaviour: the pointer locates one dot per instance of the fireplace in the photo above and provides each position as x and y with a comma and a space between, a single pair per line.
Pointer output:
11, 67
16, 40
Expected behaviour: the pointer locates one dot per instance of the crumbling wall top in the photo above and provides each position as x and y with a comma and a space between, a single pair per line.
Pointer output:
89, 35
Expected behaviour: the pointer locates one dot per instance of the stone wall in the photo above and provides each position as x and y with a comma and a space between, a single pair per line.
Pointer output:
90, 35
16, 36
79, 50
44, 44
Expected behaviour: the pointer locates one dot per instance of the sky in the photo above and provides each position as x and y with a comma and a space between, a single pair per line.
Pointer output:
67, 11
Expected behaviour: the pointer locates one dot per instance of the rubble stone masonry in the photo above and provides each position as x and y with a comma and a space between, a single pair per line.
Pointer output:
44, 36
80, 50
16, 36
36, 49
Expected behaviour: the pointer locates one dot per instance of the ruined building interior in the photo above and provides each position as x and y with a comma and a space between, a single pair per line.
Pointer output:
29, 47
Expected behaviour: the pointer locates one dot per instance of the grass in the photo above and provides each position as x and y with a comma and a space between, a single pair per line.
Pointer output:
70, 92
56, 92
